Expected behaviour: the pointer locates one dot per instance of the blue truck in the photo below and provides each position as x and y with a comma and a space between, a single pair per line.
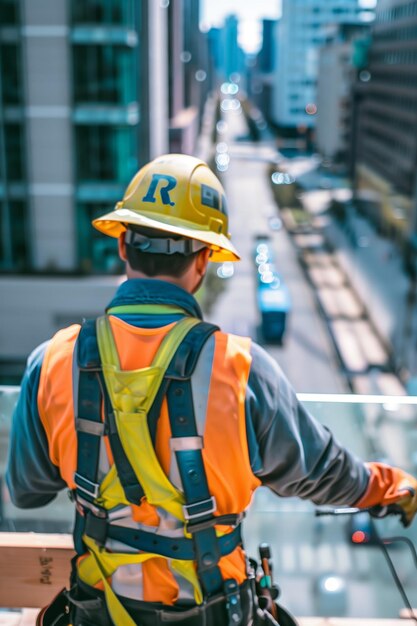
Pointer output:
274, 305
272, 295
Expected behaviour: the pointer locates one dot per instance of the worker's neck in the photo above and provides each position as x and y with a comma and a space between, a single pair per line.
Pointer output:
181, 281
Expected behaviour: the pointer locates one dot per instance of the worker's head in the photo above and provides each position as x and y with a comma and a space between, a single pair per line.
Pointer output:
172, 220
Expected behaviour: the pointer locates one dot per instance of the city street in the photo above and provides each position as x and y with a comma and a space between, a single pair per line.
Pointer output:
307, 356
305, 549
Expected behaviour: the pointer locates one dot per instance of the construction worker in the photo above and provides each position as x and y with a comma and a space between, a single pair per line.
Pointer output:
162, 427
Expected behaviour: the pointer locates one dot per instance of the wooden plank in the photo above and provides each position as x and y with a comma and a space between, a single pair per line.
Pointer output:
309, 241
36, 566
347, 345
349, 305
329, 302
317, 276
358, 345
318, 257
371, 346
339, 303
333, 276
326, 276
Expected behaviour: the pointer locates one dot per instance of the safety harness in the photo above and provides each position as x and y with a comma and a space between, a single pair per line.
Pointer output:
131, 403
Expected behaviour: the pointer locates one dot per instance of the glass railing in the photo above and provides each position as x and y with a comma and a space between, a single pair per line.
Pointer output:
320, 570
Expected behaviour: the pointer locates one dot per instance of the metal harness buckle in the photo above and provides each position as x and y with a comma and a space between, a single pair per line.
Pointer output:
83, 484
188, 509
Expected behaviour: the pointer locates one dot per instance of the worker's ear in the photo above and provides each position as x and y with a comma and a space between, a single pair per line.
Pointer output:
202, 261
122, 246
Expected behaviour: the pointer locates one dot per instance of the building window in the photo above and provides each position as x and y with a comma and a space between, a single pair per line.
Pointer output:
104, 73
106, 153
10, 72
96, 252
13, 137
14, 248
110, 12
9, 13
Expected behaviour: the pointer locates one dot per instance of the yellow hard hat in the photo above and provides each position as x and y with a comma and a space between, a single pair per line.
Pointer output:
177, 194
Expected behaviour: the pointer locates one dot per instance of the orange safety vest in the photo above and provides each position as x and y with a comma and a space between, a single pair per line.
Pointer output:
219, 386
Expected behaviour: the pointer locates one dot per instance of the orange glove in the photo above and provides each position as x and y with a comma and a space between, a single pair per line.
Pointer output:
390, 485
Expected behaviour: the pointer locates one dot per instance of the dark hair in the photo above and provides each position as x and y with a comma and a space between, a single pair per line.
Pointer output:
153, 264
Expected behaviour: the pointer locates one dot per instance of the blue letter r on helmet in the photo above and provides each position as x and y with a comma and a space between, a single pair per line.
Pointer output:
163, 190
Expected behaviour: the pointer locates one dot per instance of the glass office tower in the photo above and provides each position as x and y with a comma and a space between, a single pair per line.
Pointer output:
75, 124
14, 217
105, 56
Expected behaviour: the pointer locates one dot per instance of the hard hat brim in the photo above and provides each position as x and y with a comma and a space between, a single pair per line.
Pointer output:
114, 224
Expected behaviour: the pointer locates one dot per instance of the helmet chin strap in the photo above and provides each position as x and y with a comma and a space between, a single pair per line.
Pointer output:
163, 245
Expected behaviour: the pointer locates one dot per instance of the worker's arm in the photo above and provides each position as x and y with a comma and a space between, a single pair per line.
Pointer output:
33, 480
292, 453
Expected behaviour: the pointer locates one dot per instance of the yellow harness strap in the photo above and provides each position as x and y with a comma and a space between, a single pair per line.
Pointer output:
132, 394
99, 565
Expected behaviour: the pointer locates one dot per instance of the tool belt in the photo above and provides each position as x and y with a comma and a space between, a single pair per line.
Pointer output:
86, 606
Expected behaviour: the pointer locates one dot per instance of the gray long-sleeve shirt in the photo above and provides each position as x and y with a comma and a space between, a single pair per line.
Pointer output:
290, 452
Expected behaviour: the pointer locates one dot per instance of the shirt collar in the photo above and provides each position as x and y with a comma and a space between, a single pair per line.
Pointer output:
153, 291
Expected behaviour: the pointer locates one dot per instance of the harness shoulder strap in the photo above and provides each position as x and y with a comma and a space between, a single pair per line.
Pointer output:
91, 392
187, 445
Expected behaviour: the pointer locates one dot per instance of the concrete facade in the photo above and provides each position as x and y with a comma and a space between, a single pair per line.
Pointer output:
333, 92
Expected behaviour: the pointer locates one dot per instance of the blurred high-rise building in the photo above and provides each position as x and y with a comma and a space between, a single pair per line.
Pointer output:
80, 110
264, 73
231, 50
189, 74
302, 31
89, 91
341, 60
228, 56
386, 157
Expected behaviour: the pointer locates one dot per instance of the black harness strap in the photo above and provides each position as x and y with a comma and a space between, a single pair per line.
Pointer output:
89, 427
171, 547
89, 362
91, 518
187, 444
